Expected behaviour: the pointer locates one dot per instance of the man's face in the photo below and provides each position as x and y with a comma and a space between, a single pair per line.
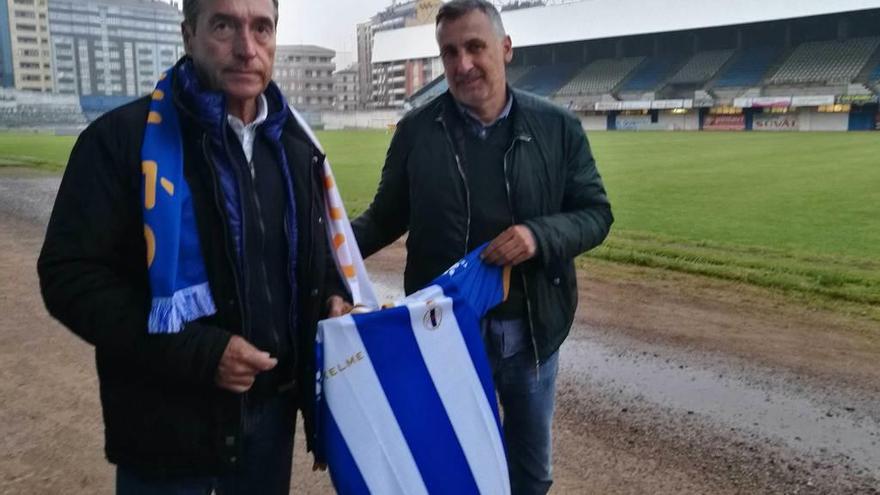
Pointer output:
474, 56
233, 46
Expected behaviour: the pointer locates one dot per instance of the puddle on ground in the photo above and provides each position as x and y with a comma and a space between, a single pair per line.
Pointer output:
806, 426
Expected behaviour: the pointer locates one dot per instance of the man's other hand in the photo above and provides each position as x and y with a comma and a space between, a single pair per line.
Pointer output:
512, 247
240, 364
337, 306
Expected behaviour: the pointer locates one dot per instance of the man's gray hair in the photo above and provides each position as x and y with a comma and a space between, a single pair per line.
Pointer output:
459, 8
191, 11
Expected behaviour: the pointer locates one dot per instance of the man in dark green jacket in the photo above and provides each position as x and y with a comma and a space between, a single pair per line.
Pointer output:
486, 163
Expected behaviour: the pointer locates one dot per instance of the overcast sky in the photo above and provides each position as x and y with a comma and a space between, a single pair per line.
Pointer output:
328, 23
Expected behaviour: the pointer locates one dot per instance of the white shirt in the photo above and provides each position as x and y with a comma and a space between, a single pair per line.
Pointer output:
248, 133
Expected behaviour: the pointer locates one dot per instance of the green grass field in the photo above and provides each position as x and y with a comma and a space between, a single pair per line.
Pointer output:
797, 212
43, 151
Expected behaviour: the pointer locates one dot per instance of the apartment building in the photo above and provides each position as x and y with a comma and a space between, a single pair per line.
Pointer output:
305, 75
25, 53
112, 47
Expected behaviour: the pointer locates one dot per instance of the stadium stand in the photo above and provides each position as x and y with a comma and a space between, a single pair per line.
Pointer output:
826, 61
20, 109
601, 76
429, 91
546, 80
652, 73
793, 70
748, 69
516, 72
701, 67
96, 105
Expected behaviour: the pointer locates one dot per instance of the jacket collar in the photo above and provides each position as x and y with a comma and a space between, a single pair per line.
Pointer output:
448, 109
208, 107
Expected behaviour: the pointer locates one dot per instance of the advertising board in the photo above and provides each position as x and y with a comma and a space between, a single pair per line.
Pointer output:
775, 122
724, 123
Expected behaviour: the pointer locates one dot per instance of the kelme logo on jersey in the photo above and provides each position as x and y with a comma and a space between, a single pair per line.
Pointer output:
342, 366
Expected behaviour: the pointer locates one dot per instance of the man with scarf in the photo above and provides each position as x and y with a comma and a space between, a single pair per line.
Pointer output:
189, 245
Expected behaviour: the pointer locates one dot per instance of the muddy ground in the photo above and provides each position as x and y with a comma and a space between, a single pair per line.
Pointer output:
669, 384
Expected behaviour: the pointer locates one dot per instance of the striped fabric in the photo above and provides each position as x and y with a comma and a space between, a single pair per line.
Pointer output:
406, 403
345, 249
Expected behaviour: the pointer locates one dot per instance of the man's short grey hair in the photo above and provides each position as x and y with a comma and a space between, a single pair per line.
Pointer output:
459, 8
191, 11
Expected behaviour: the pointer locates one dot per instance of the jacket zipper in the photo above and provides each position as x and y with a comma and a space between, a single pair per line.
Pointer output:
290, 311
294, 303
246, 327
225, 222
525, 139
262, 226
467, 191
235, 275
311, 211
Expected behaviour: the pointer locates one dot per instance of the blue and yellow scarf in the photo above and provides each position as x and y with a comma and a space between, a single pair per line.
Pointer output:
178, 279
177, 274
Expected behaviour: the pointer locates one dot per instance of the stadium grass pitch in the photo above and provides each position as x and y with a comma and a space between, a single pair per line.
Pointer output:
42, 151
797, 212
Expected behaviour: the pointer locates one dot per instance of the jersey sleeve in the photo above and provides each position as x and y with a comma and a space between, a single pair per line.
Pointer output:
481, 285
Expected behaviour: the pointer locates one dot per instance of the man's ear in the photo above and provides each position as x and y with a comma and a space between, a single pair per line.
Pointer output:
186, 32
507, 44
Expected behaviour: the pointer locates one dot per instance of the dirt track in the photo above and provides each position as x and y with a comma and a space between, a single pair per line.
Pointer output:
668, 384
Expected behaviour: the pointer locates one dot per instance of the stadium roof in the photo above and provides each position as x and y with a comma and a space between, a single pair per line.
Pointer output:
598, 19
307, 49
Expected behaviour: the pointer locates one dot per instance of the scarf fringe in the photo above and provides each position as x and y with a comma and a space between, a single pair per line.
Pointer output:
169, 314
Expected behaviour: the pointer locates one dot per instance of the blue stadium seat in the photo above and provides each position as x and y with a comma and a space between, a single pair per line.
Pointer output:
652, 72
833, 62
601, 76
875, 75
701, 67
749, 69
546, 80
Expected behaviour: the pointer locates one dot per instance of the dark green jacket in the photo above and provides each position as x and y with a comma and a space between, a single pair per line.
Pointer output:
553, 188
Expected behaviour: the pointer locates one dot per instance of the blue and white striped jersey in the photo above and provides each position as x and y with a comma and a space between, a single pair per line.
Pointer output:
406, 403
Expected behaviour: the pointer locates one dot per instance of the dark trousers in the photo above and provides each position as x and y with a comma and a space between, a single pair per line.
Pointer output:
264, 467
528, 395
